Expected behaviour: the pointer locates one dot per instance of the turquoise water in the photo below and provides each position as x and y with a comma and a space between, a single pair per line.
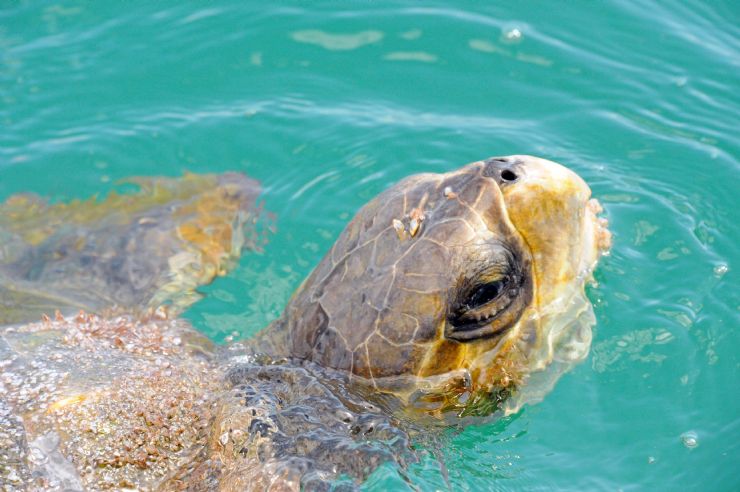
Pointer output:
327, 105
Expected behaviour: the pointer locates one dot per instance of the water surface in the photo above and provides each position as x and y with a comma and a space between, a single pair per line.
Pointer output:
329, 103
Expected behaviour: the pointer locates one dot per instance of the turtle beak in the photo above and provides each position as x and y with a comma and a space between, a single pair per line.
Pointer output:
552, 209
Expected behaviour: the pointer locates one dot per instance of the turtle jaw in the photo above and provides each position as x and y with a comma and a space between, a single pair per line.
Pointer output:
552, 209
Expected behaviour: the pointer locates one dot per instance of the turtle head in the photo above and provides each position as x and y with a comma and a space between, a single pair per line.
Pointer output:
464, 273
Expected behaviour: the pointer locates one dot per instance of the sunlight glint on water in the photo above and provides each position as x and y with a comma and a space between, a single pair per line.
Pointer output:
327, 107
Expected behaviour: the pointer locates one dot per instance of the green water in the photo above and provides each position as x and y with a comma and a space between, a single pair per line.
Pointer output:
328, 103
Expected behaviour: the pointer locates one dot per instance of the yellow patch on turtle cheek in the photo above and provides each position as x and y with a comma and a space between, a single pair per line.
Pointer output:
497, 363
550, 218
442, 357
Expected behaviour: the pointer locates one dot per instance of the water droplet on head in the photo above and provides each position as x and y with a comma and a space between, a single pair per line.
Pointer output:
690, 439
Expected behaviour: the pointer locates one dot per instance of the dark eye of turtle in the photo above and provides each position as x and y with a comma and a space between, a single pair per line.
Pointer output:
485, 293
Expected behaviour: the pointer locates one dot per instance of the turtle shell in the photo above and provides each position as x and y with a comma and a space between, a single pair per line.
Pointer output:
134, 251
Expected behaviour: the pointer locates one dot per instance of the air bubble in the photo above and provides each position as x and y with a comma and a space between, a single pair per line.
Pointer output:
720, 270
690, 439
511, 35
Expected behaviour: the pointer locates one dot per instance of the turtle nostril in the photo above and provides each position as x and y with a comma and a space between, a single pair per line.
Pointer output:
508, 175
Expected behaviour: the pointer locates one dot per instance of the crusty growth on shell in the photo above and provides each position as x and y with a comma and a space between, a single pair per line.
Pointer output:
113, 403
106, 402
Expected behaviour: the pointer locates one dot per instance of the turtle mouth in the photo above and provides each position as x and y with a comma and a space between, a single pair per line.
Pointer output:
462, 330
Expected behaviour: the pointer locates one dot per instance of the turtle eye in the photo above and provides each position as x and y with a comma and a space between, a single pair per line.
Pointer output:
485, 293
489, 300
485, 310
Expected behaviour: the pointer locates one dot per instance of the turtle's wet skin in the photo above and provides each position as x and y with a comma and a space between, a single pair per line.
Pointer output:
447, 298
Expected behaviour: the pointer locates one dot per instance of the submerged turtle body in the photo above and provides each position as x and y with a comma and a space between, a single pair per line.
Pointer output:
445, 297
132, 251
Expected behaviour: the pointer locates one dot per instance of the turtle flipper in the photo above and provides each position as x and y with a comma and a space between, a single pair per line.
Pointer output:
131, 251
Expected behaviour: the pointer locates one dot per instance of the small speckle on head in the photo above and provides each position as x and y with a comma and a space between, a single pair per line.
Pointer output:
416, 217
417, 214
400, 229
449, 194
414, 227
410, 224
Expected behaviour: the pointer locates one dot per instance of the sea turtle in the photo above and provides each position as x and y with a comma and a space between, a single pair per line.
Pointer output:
448, 297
